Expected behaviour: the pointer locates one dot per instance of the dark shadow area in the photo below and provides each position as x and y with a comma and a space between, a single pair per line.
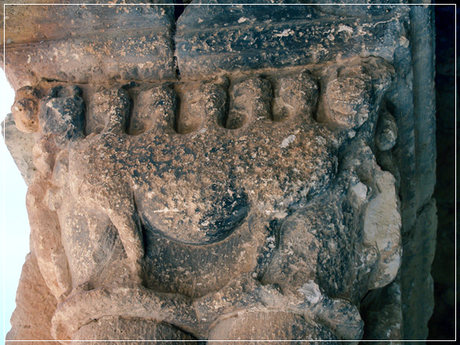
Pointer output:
179, 8
442, 323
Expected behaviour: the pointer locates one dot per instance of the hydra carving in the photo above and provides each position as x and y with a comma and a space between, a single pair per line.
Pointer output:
231, 204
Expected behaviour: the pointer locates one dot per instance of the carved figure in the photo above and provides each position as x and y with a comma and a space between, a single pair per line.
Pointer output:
254, 197
41, 196
98, 177
180, 220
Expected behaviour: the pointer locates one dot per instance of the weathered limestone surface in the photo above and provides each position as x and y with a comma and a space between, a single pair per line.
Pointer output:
218, 39
35, 305
59, 42
20, 146
242, 173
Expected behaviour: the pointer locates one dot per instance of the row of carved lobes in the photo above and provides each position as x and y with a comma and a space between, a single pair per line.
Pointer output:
186, 107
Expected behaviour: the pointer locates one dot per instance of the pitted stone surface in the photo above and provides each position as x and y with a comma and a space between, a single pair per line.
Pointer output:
189, 213
213, 39
246, 189
58, 42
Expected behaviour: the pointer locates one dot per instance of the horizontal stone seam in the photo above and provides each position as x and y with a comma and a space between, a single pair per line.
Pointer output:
107, 34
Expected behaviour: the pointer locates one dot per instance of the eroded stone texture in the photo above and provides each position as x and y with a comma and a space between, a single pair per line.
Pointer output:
58, 42
285, 37
122, 328
33, 295
256, 197
20, 146
381, 309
